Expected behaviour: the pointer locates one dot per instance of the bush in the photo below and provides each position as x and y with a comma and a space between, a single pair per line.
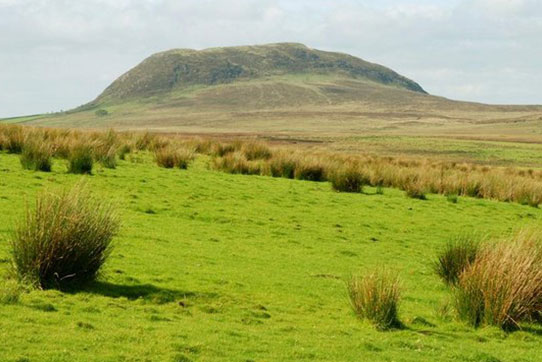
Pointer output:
347, 179
375, 296
64, 240
456, 256
101, 113
503, 286
80, 159
36, 156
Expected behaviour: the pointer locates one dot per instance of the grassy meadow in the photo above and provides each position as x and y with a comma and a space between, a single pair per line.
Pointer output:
210, 265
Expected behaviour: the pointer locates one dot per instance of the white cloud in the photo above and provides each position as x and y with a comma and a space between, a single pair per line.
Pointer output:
61, 53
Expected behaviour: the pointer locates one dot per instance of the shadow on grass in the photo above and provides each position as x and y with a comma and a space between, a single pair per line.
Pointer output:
148, 292
536, 330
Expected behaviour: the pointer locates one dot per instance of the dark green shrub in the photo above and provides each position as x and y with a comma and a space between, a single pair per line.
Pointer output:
36, 156
80, 159
456, 256
375, 296
64, 240
101, 113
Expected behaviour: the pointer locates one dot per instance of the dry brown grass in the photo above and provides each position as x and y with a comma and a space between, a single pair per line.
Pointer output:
170, 157
417, 176
503, 285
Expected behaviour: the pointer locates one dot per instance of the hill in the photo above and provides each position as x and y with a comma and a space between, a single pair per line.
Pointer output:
285, 89
181, 68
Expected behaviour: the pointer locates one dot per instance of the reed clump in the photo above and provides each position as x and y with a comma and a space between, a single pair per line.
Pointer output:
64, 240
36, 156
169, 157
375, 296
503, 285
456, 256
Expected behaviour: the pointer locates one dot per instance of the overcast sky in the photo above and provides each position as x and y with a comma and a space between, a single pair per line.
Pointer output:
58, 54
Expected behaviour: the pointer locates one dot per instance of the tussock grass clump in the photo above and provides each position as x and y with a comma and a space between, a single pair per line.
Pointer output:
14, 139
457, 255
283, 164
80, 159
105, 149
64, 239
123, 151
144, 141
414, 188
165, 157
184, 158
109, 158
169, 157
375, 296
503, 286
221, 149
347, 178
3, 141
10, 291
36, 156
256, 151
310, 169
236, 163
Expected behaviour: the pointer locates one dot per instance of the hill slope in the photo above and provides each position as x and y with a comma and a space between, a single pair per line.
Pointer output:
283, 89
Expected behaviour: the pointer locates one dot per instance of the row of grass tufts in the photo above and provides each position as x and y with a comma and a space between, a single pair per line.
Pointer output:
347, 173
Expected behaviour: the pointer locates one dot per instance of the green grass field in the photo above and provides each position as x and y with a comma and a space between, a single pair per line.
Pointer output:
211, 266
